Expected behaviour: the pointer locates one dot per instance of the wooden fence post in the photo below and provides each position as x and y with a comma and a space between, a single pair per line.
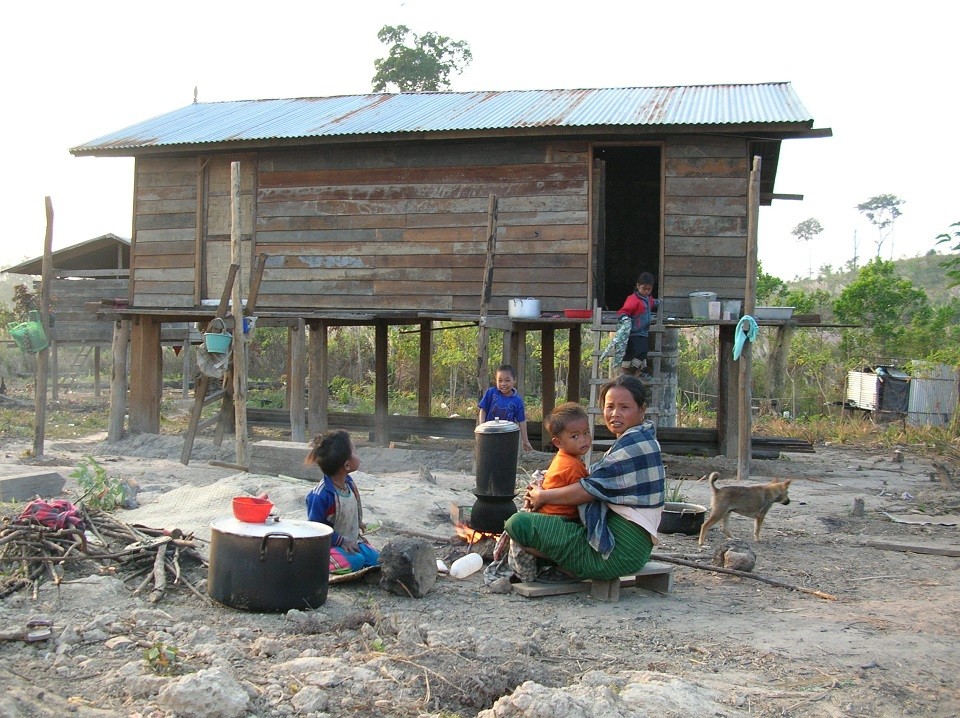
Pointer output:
40, 390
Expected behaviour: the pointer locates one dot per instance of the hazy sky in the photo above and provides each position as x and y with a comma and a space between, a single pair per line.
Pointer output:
881, 74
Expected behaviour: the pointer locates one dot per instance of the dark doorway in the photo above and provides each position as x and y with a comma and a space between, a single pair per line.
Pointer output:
629, 235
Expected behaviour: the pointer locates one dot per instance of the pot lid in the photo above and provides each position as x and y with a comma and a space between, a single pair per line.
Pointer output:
683, 507
496, 426
297, 529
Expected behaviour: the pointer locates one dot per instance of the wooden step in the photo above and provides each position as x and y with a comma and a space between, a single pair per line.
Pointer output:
613, 328
651, 411
650, 354
649, 382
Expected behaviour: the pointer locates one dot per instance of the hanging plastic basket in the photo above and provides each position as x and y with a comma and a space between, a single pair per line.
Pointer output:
29, 335
217, 342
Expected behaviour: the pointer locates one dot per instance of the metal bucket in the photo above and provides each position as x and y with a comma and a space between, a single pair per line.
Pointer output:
29, 335
700, 304
218, 342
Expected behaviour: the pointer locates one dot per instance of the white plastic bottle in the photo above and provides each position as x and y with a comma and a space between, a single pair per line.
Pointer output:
465, 565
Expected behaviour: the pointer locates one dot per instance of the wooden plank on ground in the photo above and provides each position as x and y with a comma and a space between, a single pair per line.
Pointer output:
914, 548
655, 576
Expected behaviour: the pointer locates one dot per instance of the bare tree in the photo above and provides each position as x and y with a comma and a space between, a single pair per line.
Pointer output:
882, 211
805, 232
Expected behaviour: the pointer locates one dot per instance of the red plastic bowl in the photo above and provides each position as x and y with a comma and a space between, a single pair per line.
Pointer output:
251, 510
578, 313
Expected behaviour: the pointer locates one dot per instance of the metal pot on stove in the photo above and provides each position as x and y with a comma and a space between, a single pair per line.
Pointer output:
497, 448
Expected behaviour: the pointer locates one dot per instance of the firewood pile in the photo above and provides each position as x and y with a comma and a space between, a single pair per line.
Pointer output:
146, 559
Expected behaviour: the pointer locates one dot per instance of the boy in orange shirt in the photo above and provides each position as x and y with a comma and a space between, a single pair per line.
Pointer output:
569, 428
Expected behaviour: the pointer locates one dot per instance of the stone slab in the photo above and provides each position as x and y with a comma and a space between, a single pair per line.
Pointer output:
30, 485
282, 457
276, 458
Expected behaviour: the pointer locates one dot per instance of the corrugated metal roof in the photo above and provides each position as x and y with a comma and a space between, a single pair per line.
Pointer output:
440, 112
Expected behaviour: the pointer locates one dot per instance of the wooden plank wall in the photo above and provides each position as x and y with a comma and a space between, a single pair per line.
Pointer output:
163, 250
217, 218
404, 227
705, 219
73, 323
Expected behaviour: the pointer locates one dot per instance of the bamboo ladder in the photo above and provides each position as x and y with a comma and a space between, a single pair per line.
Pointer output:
603, 371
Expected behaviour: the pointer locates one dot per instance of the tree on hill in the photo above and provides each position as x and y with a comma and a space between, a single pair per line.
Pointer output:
805, 232
883, 305
882, 211
422, 65
952, 265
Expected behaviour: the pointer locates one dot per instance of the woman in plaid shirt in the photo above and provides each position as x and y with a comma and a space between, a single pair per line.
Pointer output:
620, 502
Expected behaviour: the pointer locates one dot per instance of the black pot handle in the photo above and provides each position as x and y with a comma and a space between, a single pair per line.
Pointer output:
277, 534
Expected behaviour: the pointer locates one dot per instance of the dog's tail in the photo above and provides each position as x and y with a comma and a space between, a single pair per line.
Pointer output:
713, 479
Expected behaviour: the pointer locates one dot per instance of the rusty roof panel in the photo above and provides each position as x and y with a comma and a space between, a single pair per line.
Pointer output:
440, 112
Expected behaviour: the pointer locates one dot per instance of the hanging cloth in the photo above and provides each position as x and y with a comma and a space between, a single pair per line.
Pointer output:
618, 345
746, 331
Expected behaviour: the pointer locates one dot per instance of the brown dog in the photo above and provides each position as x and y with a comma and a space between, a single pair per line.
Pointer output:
753, 501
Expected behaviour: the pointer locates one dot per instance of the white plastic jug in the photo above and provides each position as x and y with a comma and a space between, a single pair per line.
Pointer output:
466, 565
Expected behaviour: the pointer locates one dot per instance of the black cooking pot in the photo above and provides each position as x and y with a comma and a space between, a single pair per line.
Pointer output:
272, 566
681, 518
497, 450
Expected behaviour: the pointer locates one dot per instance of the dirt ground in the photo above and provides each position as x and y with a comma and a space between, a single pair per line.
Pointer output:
884, 643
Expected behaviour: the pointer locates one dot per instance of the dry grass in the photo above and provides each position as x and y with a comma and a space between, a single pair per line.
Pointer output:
859, 430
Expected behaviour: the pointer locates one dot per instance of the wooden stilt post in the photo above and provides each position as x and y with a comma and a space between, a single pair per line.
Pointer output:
548, 377
778, 366
518, 354
573, 370
318, 393
298, 355
40, 390
669, 349
750, 300
118, 379
186, 373
241, 440
96, 372
728, 389
483, 341
425, 380
381, 388
145, 365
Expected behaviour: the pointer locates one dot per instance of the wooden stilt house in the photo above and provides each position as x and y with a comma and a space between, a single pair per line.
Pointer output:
375, 208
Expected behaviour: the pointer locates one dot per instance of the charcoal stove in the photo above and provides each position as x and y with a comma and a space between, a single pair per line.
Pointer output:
498, 445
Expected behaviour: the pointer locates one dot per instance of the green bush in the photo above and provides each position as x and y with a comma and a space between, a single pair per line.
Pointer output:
98, 490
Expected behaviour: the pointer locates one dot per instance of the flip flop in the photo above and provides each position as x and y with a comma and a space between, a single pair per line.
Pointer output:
39, 634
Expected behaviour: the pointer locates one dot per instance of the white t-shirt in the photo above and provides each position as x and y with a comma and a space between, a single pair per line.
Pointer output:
648, 519
347, 521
